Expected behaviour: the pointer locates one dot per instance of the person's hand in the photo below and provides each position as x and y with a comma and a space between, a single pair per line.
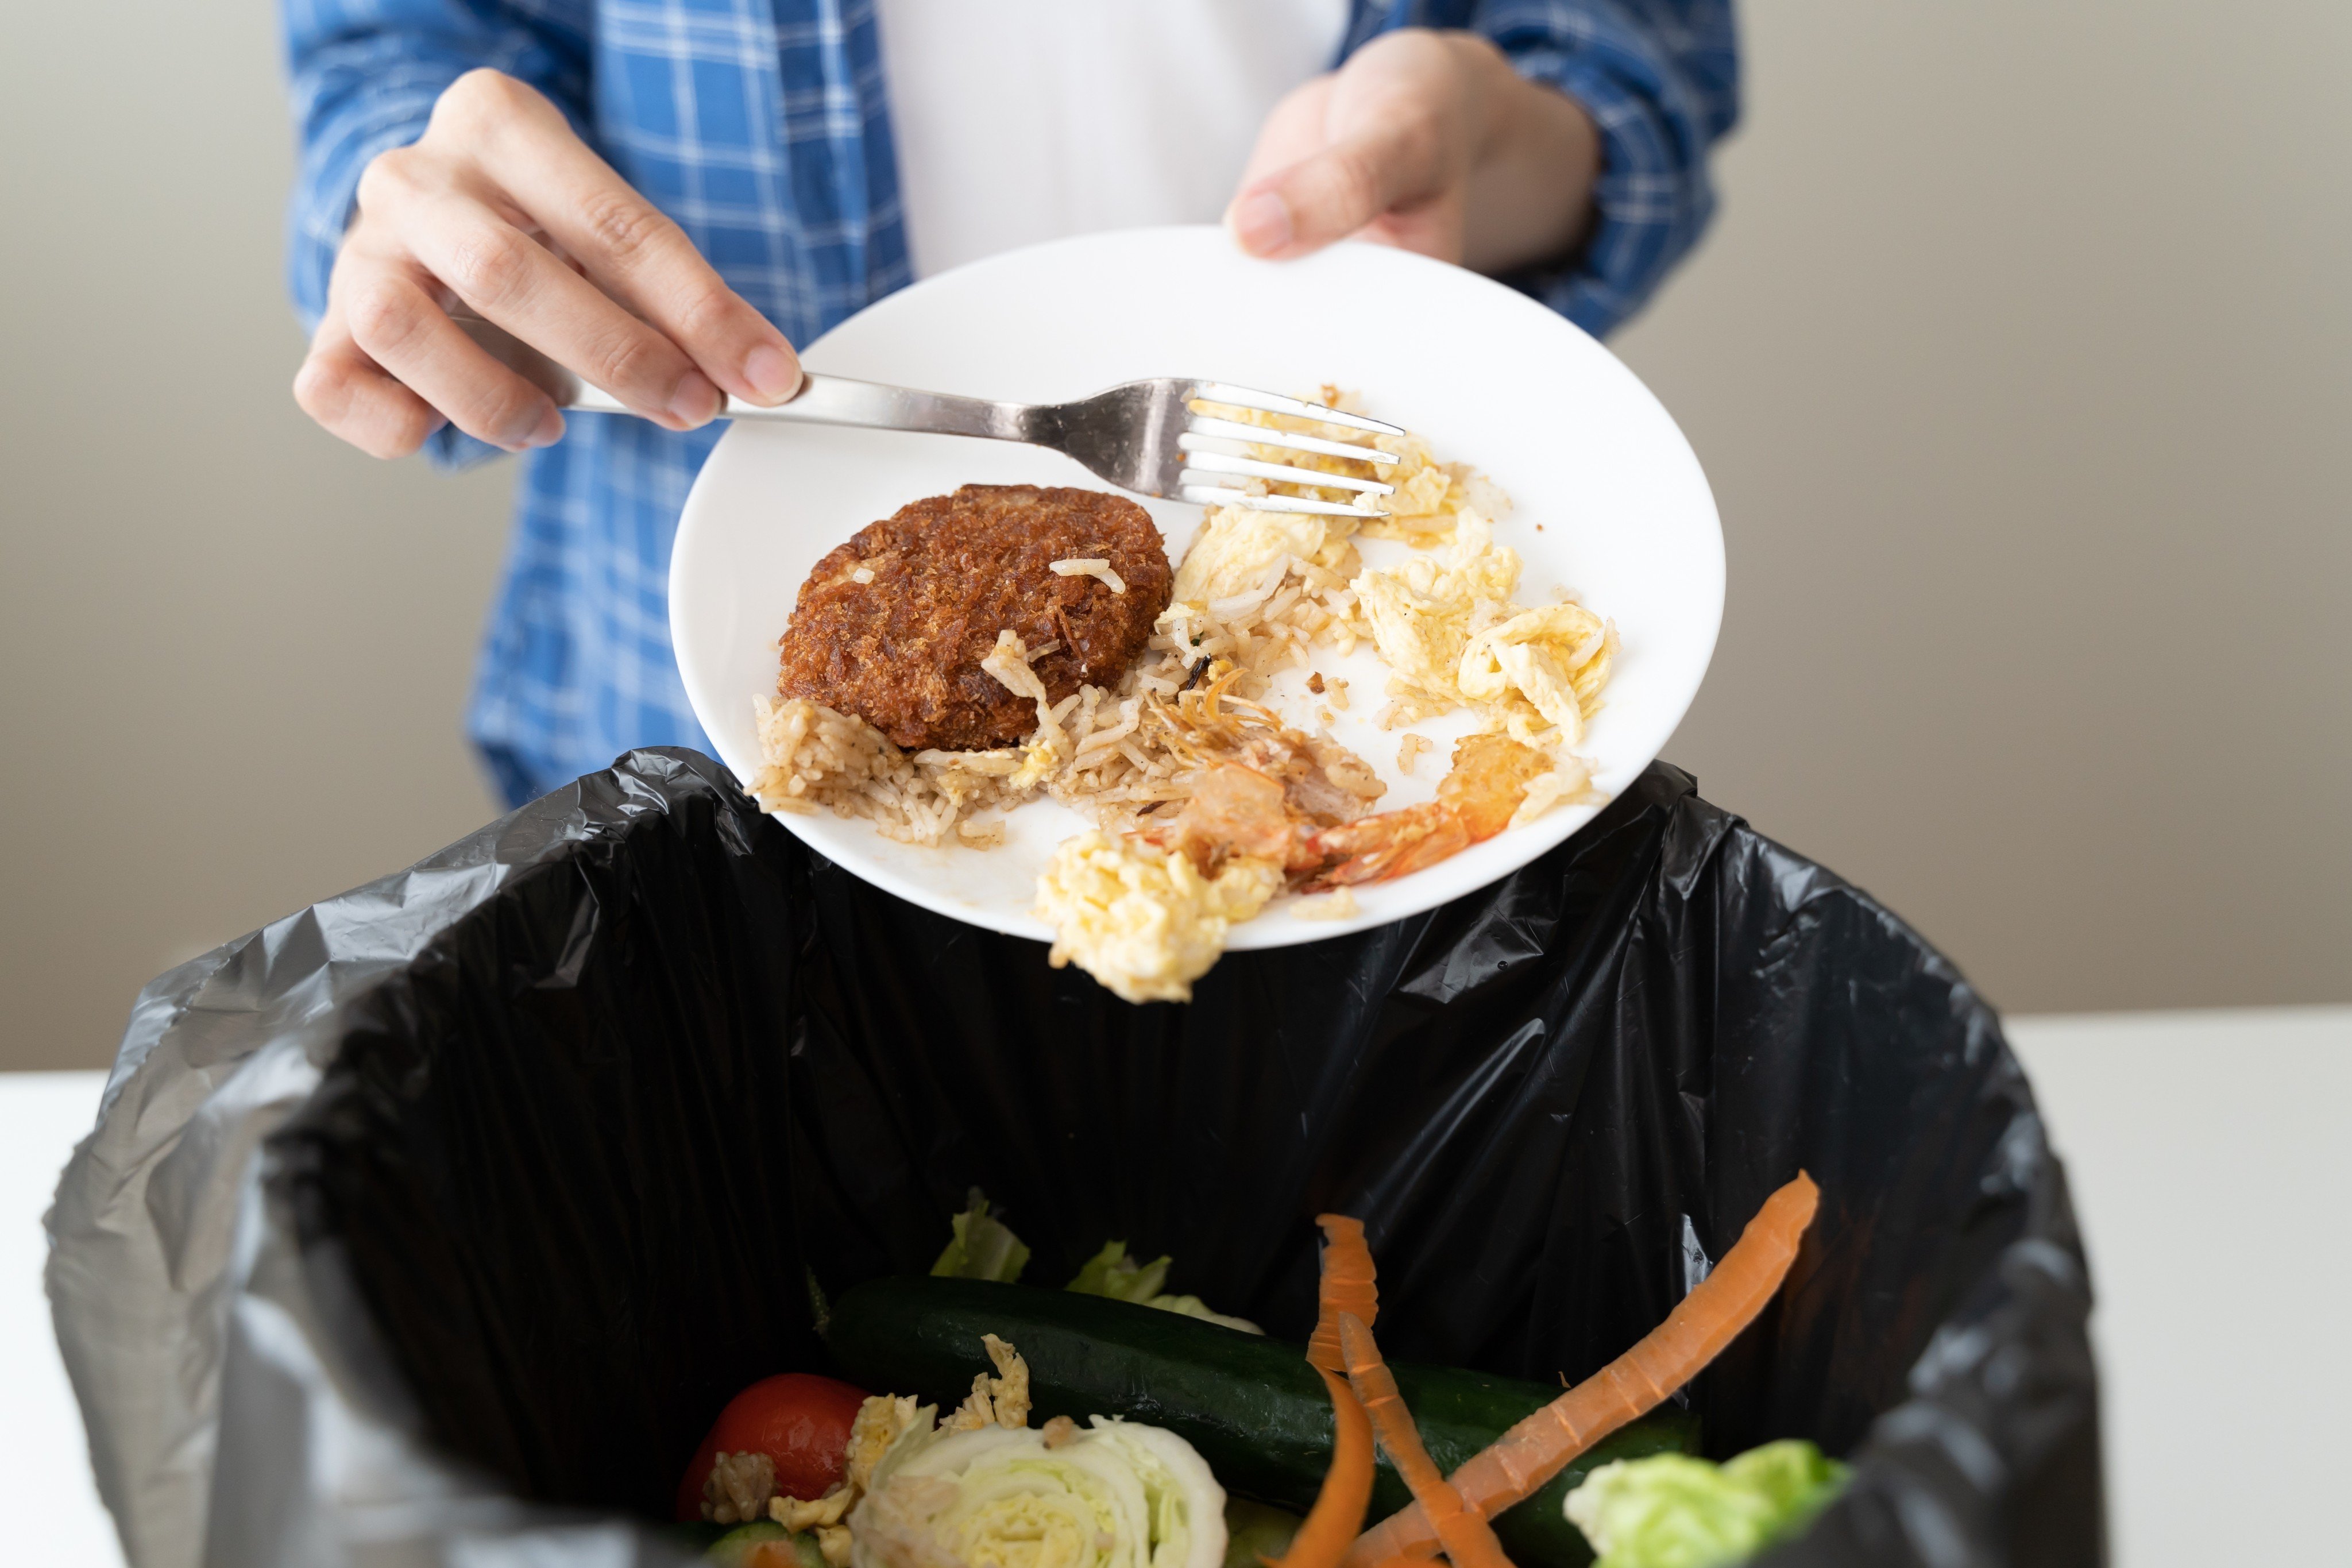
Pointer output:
501, 208
1427, 140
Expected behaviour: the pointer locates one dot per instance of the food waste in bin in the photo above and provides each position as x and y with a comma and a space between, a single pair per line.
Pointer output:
808, 1472
450, 1218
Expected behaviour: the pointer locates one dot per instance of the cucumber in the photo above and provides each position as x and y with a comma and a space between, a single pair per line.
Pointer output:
730, 1549
1252, 1406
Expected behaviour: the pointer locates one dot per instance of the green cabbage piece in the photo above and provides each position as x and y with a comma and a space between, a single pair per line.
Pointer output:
1118, 1495
1255, 1533
983, 1247
1193, 1307
1112, 1273
1672, 1510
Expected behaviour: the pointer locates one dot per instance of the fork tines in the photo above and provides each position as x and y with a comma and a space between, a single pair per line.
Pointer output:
1208, 442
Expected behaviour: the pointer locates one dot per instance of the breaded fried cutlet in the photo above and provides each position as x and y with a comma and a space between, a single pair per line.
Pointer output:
892, 626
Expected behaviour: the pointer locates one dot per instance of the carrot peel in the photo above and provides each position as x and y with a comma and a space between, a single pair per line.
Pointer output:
1345, 1285
1523, 1459
1469, 1540
1348, 1285
1347, 1493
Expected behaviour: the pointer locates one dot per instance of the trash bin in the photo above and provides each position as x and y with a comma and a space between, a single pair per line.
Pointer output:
433, 1223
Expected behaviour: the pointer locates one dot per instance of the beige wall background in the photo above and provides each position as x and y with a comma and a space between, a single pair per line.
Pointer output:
2021, 359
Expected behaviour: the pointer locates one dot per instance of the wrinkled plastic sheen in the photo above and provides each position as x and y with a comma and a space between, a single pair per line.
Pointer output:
434, 1223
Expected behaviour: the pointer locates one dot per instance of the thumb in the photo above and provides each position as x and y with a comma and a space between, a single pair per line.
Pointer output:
1328, 194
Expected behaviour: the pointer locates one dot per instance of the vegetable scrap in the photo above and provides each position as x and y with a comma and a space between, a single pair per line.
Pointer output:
1469, 1540
1673, 1511
1112, 1273
784, 1435
985, 1247
764, 1544
897, 1487
1350, 1284
1258, 1534
1118, 1494
1345, 1289
1347, 1495
1669, 1356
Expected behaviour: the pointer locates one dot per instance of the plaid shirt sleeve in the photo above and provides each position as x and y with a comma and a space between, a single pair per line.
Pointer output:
1661, 80
364, 75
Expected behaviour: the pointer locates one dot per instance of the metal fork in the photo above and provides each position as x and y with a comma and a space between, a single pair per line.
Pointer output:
1142, 436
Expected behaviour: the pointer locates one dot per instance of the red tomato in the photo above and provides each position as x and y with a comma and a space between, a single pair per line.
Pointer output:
799, 1420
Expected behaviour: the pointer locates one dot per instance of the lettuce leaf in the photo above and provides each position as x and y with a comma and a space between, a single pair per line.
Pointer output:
1671, 1510
1112, 1273
983, 1247
1193, 1307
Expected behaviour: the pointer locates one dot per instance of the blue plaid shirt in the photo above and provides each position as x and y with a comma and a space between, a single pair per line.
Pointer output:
760, 125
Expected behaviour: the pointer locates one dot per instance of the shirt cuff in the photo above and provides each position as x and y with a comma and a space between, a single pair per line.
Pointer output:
1651, 202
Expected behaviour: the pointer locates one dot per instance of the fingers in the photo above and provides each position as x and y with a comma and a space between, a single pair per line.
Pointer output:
1379, 149
625, 243
422, 211
635, 251
403, 329
501, 206
352, 398
1295, 129
1332, 192
513, 281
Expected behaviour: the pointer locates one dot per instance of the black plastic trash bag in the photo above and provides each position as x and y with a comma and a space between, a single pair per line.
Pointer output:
552, 1129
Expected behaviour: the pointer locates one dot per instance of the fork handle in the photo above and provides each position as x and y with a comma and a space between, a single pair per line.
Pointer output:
822, 399
837, 400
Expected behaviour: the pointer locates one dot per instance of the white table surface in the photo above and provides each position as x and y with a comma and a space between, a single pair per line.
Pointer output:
2212, 1169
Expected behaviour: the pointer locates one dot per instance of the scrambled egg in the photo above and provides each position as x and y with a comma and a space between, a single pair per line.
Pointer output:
1424, 611
1429, 495
1143, 921
1425, 496
1538, 653
1242, 553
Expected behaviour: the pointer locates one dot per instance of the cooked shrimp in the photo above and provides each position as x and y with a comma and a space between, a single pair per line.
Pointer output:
1475, 802
1322, 782
1489, 778
1234, 810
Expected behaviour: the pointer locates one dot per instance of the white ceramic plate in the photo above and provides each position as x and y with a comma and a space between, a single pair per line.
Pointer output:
1489, 377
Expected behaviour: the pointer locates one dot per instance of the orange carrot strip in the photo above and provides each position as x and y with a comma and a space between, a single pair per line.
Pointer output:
1464, 1531
1346, 1287
1523, 1459
1339, 1512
